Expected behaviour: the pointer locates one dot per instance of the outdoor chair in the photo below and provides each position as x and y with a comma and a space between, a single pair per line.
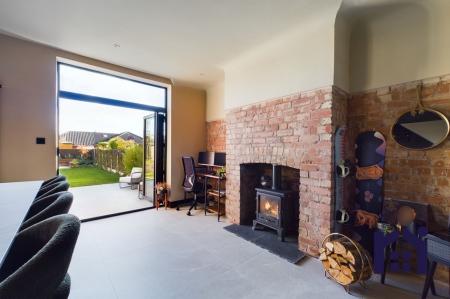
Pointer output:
46, 207
51, 189
55, 179
37, 261
132, 180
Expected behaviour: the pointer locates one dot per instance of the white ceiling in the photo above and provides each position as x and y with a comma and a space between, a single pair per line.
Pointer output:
185, 40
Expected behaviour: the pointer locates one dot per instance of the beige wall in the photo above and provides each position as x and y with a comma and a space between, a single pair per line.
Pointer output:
355, 46
342, 30
187, 133
215, 95
400, 42
301, 59
28, 110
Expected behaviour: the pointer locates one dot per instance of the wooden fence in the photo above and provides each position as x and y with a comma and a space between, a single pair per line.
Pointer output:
67, 155
109, 160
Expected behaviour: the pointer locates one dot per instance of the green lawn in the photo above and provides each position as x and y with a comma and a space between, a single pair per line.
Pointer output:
88, 175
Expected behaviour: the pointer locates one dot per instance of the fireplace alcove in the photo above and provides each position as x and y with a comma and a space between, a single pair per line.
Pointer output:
250, 176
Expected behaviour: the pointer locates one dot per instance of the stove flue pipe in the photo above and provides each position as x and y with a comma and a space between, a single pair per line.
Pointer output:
276, 177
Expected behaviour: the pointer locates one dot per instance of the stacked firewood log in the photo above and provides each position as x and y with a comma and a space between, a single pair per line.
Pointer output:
345, 260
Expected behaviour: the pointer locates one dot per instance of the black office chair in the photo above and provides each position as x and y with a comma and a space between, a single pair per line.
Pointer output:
46, 207
37, 261
51, 189
55, 179
191, 184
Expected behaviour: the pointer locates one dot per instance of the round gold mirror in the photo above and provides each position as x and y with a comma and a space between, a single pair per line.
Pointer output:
421, 129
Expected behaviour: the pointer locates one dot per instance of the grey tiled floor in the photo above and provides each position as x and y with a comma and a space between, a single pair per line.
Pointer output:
99, 200
166, 254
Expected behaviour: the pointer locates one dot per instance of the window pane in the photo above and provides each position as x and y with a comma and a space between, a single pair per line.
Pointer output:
93, 117
73, 79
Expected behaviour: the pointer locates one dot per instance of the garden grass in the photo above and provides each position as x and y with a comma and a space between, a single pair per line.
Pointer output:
88, 176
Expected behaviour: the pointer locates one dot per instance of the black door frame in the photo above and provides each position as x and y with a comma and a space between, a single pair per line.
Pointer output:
159, 169
159, 112
144, 167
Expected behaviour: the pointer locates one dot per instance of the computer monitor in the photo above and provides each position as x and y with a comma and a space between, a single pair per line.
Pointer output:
212, 158
219, 159
206, 158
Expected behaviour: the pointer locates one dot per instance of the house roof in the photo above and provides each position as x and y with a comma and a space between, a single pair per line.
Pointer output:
131, 136
92, 138
85, 138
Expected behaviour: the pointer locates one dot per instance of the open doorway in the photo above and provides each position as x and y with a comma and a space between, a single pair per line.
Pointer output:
112, 141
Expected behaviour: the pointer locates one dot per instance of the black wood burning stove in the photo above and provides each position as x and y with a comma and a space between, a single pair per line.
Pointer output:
275, 207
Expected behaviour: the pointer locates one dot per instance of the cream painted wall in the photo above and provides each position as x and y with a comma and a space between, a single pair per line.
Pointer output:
301, 59
342, 30
28, 110
399, 42
362, 46
187, 133
215, 95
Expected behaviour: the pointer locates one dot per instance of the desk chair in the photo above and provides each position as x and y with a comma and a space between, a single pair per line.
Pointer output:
191, 183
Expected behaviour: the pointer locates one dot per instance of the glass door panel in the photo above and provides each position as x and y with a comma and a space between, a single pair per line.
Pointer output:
154, 152
149, 156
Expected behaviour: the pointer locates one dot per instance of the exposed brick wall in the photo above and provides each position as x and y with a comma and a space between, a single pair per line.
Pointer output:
294, 131
422, 176
215, 135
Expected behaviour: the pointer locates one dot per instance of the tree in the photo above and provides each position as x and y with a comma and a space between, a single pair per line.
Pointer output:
113, 144
133, 157
102, 145
120, 144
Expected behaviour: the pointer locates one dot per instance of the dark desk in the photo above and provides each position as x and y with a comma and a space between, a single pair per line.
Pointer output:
218, 192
